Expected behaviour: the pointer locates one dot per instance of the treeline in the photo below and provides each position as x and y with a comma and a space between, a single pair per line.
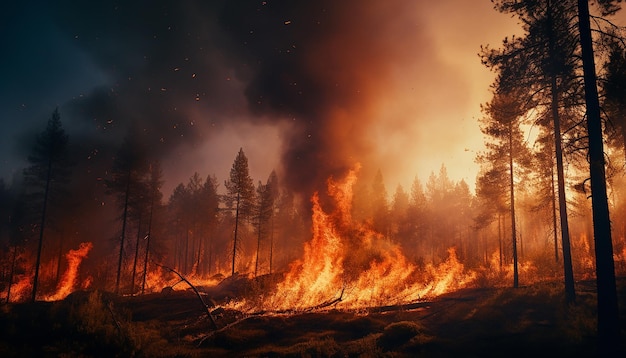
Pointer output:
198, 231
207, 228
548, 78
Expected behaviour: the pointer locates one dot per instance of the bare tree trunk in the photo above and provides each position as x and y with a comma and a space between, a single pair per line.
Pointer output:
41, 229
132, 281
555, 236
271, 240
258, 248
59, 259
199, 254
12, 273
148, 238
124, 219
570, 293
186, 270
608, 312
500, 239
512, 195
236, 229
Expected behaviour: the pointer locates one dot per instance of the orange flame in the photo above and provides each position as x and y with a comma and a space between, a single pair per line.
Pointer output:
160, 278
348, 265
68, 281
22, 288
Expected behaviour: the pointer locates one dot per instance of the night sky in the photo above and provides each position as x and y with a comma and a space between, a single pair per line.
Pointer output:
308, 88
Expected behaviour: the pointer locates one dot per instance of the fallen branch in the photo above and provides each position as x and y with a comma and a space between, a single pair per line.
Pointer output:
182, 278
400, 307
109, 306
327, 303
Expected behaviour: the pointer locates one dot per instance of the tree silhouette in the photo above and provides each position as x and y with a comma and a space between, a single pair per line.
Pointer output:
540, 68
508, 148
261, 216
48, 170
380, 207
274, 192
608, 312
614, 93
126, 184
179, 225
240, 193
155, 181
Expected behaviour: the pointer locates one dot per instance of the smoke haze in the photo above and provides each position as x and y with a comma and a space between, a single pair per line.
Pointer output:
306, 88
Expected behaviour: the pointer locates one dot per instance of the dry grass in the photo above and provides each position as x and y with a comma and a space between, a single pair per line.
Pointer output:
484, 322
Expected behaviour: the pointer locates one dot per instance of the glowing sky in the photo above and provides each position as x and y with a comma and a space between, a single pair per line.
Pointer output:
306, 88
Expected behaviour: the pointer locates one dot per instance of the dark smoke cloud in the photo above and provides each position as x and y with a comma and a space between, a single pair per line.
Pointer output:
321, 63
163, 62
320, 66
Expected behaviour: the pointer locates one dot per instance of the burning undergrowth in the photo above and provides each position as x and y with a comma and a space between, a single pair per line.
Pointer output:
348, 265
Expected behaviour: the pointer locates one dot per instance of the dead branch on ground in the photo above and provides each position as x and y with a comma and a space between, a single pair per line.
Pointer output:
182, 278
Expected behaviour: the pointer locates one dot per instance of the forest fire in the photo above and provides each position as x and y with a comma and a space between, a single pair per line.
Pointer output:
69, 280
348, 265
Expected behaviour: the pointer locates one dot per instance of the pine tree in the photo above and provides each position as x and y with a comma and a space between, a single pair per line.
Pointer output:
608, 312
126, 184
540, 68
155, 181
506, 148
240, 193
47, 172
274, 193
380, 207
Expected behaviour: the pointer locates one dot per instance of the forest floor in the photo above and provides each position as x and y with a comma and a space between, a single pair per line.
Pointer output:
480, 322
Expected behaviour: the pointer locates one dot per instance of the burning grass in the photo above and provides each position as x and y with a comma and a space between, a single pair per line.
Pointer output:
470, 322
350, 266
353, 293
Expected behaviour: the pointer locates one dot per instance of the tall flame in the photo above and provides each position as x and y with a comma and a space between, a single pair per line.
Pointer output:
68, 281
348, 264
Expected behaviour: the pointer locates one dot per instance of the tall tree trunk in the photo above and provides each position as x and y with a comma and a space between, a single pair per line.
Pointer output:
124, 219
186, 271
59, 258
148, 238
570, 293
258, 248
132, 281
608, 313
41, 229
236, 229
271, 240
12, 273
500, 240
623, 128
512, 195
554, 228
199, 254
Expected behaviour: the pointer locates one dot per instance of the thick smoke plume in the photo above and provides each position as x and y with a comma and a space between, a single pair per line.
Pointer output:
180, 71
